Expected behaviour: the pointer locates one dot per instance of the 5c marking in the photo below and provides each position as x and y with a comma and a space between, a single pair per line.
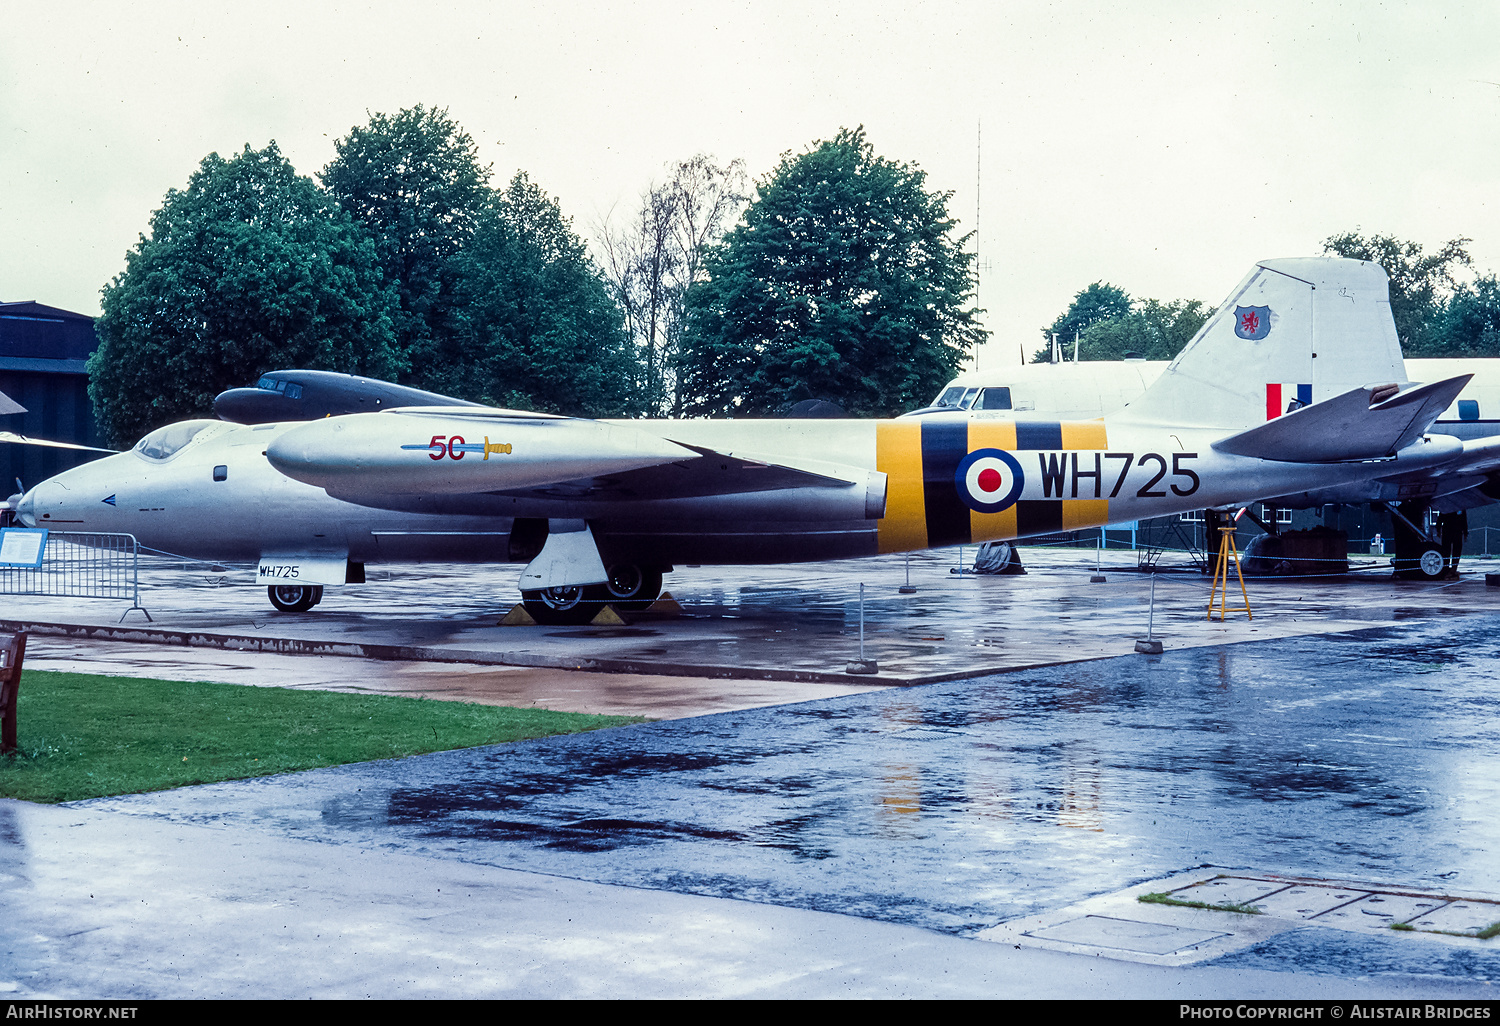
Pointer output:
455, 447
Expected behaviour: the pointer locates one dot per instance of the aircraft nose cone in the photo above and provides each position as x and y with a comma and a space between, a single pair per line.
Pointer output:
44, 505
26, 509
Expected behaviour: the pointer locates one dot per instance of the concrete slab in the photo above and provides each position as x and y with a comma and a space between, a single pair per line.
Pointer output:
1122, 925
1464, 917
1127, 935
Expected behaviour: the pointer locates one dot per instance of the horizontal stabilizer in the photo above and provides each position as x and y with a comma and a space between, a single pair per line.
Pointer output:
1348, 426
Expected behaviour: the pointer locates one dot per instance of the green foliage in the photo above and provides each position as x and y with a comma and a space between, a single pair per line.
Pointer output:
1151, 331
1098, 302
841, 282
85, 736
414, 180
1420, 284
248, 268
1114, 327
1468, 324
539, 328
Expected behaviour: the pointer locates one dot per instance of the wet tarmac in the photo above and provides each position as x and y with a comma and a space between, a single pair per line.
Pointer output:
795, 623
861, 826
955, 806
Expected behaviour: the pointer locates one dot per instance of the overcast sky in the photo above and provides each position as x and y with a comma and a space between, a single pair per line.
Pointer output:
1160, 146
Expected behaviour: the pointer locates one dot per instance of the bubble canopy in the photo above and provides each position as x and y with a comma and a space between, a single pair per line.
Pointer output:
166, 442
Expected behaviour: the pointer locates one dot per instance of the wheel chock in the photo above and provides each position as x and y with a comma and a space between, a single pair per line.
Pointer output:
517, 617
665, 603
607, 618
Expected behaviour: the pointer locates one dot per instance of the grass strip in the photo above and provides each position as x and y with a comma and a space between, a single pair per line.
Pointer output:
1159, 898
88, 736
1489, 931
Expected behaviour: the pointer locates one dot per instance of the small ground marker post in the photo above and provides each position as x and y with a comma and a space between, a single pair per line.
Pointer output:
12, 654
1098, 577
908, 588
1150, 645
861, 665
1221, 576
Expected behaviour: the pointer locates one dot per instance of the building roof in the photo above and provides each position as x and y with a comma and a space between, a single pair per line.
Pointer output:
34, 336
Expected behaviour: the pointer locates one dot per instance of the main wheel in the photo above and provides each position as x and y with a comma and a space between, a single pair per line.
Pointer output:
1431, 565
295, 598
560, 607
629, 587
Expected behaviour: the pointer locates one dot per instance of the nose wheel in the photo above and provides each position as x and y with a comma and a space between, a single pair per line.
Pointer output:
295, 598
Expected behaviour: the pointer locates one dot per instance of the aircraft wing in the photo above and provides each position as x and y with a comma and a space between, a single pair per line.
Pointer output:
11, 436
709, 473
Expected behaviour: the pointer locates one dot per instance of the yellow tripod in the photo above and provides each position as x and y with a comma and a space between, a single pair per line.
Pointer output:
1221, 578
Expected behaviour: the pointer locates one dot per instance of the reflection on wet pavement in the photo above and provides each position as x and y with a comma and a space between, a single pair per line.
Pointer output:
1357, 755
793, 622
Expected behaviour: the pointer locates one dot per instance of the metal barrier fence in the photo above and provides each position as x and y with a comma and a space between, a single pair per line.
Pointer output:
105, 566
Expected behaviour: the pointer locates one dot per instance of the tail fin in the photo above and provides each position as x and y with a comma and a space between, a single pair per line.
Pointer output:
1295, 332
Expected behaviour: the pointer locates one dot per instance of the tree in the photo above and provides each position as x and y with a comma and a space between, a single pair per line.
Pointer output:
1469, 322
537, 326
1152, 330
841, 282
249, 268
1419, 284
1098, 302
414, 180
1112, 326
654, 261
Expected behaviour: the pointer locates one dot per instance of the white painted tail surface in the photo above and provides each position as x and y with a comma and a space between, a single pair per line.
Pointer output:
1316, 326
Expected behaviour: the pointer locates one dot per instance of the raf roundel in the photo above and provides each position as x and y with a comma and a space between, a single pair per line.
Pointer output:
989, 480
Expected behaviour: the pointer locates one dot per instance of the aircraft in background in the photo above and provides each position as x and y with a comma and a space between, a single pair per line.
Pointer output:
599, 510
285, 395
1095, 388
1092, 388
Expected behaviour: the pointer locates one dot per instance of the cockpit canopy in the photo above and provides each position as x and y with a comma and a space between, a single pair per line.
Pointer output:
957, 397
166, 442
286, 388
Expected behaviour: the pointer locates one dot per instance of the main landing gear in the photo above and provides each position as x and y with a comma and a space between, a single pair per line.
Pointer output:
295, 598
629, 588
1418, 557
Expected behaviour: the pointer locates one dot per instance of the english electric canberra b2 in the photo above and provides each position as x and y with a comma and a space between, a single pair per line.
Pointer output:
599, 510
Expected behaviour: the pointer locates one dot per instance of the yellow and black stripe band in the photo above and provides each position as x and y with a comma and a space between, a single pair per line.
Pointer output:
925, 507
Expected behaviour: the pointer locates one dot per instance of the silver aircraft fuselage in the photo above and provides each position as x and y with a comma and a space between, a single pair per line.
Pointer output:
183, 504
